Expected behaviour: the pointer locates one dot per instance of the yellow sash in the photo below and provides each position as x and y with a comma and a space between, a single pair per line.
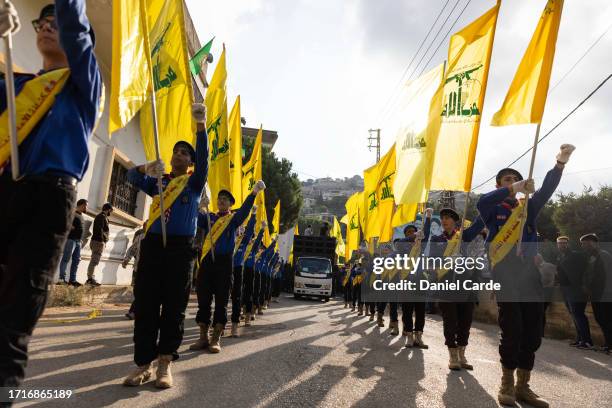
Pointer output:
414, 253
31, 105
451, 248
346, 278
357, 280
170, 193
507, 236
249, 249
215, 233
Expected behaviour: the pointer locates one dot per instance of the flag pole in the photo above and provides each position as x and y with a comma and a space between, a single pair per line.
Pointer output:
531, 166
462, 228
10, 101
147, 46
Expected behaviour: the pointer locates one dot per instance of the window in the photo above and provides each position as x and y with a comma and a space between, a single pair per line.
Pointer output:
121, 193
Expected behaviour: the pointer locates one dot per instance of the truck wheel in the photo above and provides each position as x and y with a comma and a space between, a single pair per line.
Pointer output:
297, 296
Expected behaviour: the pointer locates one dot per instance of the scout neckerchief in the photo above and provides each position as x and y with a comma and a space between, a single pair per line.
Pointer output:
31, 105
174, 188
215, 233
507, 236
249, 249
451, 249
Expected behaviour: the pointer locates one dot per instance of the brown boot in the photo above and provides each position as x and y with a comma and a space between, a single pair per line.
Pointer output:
409, 340
506, 394
394, 328
203, 342
462, 360
259, 310
418, 340
139, 376
164, 375
380, 321
453, 359
247, 319
234, 330
360, 310
524, 393
215, 339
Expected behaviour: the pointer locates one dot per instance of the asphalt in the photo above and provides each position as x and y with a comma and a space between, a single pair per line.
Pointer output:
302, 353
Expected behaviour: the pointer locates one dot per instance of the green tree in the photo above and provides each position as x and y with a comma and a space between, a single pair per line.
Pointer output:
579, 214
281, 183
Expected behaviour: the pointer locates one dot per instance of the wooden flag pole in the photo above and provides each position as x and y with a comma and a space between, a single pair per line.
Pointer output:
524, 212
10, 101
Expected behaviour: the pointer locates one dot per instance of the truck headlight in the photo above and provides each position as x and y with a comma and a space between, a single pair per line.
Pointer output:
299, 285
326, 286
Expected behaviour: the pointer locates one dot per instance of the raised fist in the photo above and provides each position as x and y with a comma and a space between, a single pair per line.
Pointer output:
198, 111
524, 186
155, 168
9, 21
564, 154
259, 186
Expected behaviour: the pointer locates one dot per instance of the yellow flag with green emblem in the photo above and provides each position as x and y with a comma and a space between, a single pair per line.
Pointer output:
171, 81
276, 219
526, 97
378, 185
404, 213
352, 227
463, 90
130, 74
218, 138
336, 232
235, 142
251, 173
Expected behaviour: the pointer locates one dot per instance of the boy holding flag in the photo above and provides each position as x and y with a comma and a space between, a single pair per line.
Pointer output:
520, 308
155, 286
215, 273
60, 108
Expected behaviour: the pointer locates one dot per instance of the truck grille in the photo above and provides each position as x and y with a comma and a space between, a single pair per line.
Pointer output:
311, 286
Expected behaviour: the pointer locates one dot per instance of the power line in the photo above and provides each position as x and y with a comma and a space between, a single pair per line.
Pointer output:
581, 58
553, 129
395, 88
444, 38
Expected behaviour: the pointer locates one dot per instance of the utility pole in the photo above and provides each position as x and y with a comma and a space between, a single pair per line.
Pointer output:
374, 142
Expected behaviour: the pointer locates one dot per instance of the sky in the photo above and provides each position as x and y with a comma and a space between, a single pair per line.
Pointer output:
322, 72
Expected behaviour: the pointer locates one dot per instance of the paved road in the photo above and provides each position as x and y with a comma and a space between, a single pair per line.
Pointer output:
303, 354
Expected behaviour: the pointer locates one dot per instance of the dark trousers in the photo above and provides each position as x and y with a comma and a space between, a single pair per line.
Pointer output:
581, 321
457, 322
248, 283
163, 282
357, 294
264, 289
418, 308
277, 282
347, 293
236, 294
522, 328
382, 306
603, 315
257, 282
371, 307
35, 218
214, 279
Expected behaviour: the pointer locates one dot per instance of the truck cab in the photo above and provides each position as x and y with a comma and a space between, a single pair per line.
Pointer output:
313, 277
314, 259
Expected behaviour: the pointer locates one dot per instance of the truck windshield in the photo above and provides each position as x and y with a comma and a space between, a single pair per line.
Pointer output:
313, 265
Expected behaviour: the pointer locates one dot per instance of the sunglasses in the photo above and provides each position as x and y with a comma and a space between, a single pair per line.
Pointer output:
40, 23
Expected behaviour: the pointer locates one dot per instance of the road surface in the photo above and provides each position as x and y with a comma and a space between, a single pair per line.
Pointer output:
302, 353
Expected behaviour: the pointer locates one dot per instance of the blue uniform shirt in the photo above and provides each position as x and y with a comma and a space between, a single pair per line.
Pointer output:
264, 258
58, 143
250, 261
226, 242
182, 215
248, 234
495, 209
271, 264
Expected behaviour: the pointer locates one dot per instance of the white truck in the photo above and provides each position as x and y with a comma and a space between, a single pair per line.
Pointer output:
313, 268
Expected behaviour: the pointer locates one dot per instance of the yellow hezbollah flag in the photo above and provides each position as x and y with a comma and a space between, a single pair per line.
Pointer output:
463, 91
370, 202
171, 81
404, 213
235, 143
415, 140
378, 184
336, 232
352, 227
526, 97
362, 204
276, 220
251, 173
344, 219
130, 70
216, 126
